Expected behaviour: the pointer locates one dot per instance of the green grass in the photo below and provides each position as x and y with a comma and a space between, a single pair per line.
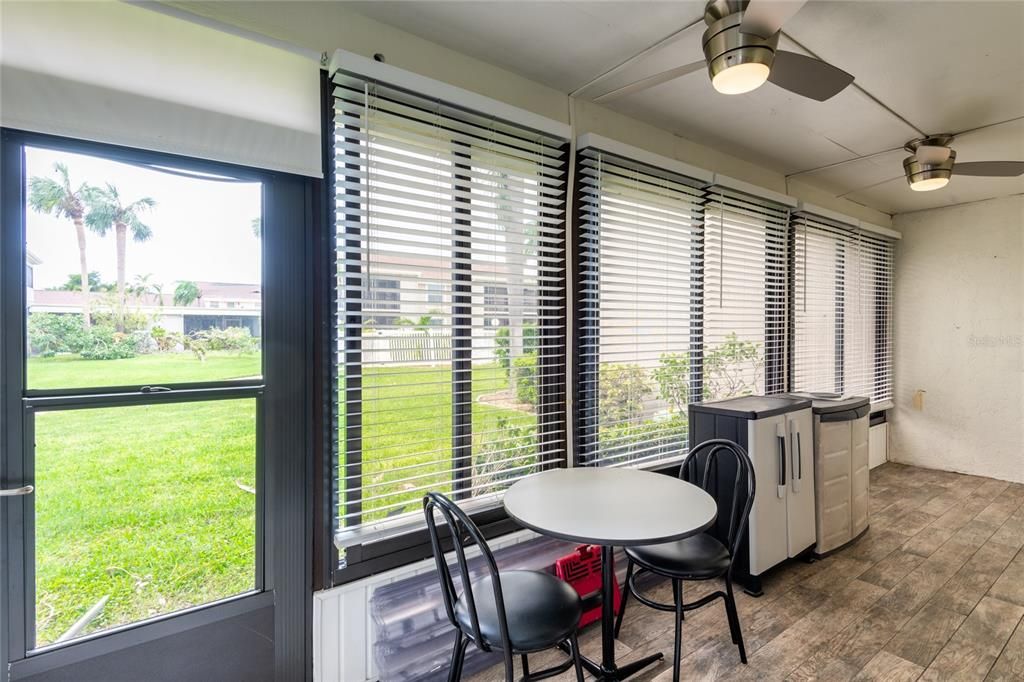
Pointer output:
69, 371
407, 433
141, 503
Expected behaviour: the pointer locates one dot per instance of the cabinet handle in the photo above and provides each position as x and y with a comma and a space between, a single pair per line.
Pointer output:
782, 465
799, 458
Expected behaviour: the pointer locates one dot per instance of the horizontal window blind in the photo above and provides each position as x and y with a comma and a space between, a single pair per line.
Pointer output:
450, 301
745, 295
639, 297
842, 341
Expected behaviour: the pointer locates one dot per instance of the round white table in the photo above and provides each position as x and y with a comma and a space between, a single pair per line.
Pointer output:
611, 508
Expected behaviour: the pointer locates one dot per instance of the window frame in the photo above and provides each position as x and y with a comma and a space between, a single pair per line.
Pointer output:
407, 546
881, 291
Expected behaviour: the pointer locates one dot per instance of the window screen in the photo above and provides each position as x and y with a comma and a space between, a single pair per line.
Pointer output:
451, 224
842, 291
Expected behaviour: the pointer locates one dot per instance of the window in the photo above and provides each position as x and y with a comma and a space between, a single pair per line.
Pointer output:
433, 396
383, 294
640, 289
682, 298
842, 309
435, 293
496, 308
745, 291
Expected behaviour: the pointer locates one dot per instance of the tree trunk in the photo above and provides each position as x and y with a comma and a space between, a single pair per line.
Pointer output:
121, 231
86, 312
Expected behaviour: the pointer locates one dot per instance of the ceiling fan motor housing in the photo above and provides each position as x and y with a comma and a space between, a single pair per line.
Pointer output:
917, 171
726, 46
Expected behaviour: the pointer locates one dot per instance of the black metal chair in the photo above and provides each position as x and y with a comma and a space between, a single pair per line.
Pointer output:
540, 611
704, 556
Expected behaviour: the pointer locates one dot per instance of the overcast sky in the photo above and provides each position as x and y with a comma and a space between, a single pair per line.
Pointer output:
202, 229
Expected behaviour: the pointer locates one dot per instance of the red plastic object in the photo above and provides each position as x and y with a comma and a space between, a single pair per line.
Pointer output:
582, 570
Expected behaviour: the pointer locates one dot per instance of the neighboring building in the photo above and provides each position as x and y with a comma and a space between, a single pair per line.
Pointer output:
31, 261
221, 305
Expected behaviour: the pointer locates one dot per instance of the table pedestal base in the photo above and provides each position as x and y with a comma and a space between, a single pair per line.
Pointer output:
608, 669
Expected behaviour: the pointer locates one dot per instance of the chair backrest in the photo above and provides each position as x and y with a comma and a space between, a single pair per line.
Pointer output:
463, 533
706, 465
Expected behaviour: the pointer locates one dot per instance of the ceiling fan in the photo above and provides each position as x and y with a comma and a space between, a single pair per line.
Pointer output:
741, 53
933, 163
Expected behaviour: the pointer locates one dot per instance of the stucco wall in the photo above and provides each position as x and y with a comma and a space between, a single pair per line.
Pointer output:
960, 338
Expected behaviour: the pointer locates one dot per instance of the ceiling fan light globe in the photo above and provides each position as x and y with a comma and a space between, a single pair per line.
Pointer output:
928, 184
741, 78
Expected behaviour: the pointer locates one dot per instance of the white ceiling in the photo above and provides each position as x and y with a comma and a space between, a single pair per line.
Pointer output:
938, 66
920, 66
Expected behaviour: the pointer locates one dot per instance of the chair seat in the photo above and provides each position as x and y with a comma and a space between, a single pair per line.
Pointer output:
542, 610
697, 557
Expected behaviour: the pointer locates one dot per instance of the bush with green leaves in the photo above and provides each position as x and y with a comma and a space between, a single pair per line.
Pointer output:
622, 391
238, 339
503, 344
105, 343
52, 333
732, 368
673, 377
525, 371
623, 443
511, 440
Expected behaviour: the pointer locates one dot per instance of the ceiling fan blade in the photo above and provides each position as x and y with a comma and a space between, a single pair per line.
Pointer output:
928, 153
651, 81
992, 169
765, 17
807, 76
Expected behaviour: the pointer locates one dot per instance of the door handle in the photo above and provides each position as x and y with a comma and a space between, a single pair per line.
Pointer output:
14, 492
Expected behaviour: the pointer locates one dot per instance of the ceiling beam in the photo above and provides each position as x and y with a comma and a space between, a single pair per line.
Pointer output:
864, 92
670, 38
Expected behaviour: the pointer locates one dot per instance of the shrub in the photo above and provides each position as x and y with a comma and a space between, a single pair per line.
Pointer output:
526, 379
52, 333
491, 465
238, 339
673, 377
503, 344
122, 320
622, 391
106, 344
625, 442
165, 341
732, 368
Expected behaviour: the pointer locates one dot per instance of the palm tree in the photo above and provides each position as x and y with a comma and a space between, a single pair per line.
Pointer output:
187, 293
58, 198
143, 285
106, 211
74, 282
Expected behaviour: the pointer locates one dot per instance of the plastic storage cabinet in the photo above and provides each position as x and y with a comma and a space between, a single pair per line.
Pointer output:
777, 433
841, 477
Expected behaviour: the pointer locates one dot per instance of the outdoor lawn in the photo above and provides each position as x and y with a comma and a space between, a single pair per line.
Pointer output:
149, 505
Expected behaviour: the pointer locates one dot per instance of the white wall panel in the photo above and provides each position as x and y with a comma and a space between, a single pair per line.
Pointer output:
117, 73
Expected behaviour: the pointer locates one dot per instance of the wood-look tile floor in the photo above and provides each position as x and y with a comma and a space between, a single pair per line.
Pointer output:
933, 591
